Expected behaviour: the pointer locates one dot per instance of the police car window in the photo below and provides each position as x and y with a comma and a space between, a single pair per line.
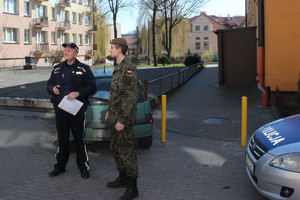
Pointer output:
103, 88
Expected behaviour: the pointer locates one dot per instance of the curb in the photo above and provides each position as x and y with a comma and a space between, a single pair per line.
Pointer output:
25, 102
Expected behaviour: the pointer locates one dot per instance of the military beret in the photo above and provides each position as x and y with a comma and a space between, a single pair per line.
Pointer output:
120, 41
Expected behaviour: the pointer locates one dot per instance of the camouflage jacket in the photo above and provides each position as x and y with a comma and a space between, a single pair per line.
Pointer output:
123, 94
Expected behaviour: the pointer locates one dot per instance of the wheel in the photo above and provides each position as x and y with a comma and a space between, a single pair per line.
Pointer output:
145, 142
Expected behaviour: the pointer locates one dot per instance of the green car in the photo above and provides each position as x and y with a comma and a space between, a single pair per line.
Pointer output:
96, 127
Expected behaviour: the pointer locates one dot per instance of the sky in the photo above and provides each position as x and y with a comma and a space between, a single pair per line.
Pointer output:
220, 8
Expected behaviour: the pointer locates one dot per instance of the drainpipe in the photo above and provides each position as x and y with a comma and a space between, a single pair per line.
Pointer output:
261, 56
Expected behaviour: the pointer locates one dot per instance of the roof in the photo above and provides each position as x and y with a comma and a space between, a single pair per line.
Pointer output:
222, 22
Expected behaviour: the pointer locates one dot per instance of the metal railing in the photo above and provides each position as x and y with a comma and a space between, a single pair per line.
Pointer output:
163, 85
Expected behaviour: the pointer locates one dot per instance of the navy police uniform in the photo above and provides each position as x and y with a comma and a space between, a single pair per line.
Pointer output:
70, 78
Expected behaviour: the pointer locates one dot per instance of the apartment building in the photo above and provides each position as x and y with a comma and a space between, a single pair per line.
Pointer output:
202, 37
35, 27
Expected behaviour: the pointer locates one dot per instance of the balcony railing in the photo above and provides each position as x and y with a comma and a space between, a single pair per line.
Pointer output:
94, 48
93, 10
64, 3
40, 22
63, 25
41, 47
93, 29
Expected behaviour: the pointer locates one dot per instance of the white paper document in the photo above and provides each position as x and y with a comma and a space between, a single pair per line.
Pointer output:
70, 106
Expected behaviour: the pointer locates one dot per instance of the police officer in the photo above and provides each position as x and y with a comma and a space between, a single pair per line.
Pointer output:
75, 80
121, 116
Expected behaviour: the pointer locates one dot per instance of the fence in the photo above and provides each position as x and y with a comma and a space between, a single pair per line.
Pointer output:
163, 85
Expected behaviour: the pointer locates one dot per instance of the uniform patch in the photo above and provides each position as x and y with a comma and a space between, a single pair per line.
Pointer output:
129, 72
78, 72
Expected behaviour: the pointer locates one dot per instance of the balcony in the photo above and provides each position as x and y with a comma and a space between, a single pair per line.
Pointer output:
64, 3
41, 47
64, 25
93, 29
93, 48
93, 10
40, 22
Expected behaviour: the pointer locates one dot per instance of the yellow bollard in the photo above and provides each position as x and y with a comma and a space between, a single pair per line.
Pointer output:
163, 117
244, 122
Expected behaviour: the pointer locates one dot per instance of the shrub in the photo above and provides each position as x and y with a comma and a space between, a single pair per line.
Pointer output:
163, 60
55, 56
108, 57
208, 56
191, 60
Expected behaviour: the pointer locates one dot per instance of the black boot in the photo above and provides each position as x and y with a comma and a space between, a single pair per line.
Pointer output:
121, 181
132, 191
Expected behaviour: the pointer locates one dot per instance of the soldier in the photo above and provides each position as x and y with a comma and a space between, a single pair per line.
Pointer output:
121, 117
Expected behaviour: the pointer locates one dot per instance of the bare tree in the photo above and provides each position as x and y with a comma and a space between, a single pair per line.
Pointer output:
174, 11
153, 6
114, 7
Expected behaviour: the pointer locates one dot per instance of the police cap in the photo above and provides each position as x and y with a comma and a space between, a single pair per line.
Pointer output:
72, 45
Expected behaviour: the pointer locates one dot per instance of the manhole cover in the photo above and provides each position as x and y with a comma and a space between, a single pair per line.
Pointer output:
217, 120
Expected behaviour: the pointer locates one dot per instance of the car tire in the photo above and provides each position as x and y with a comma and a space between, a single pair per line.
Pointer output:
145, 142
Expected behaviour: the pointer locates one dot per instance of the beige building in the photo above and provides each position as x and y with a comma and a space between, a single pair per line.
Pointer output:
202, 37
35, 27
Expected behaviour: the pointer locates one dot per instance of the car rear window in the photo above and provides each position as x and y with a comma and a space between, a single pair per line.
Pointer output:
103, 89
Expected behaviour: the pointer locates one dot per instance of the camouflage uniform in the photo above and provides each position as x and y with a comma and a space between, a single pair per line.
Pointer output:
122, 108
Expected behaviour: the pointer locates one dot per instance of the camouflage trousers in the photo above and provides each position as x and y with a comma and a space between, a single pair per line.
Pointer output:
123, 150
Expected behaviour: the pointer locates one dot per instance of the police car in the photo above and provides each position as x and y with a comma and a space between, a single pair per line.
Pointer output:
273, 159
96, 128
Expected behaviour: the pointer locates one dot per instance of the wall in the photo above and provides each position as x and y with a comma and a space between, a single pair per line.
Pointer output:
282, 44
237, 56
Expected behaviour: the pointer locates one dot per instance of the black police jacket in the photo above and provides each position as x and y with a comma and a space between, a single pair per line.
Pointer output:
83, 82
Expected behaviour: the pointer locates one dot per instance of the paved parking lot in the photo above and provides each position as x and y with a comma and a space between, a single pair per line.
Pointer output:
198, 161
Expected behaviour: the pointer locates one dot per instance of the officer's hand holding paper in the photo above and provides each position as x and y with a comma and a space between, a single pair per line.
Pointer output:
70, 106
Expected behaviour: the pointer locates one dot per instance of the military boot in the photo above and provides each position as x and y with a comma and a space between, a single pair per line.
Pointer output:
132, 191
121, 181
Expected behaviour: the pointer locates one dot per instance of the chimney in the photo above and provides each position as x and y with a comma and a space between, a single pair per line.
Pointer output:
228, 16
202, 12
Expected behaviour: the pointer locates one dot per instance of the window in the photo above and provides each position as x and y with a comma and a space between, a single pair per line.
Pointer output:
41, 37
80, 19
53, 14
206, 45
74, 38
87, 20
205, 38
9, 6
40, 11
80, 1
80, 39
64, 38
10, 35
53, 38
205, 27
63, 15
74, 18
197, 45
87, 39
26, 9
197, 28
197, 38
73, 1
86, 2
27, 37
